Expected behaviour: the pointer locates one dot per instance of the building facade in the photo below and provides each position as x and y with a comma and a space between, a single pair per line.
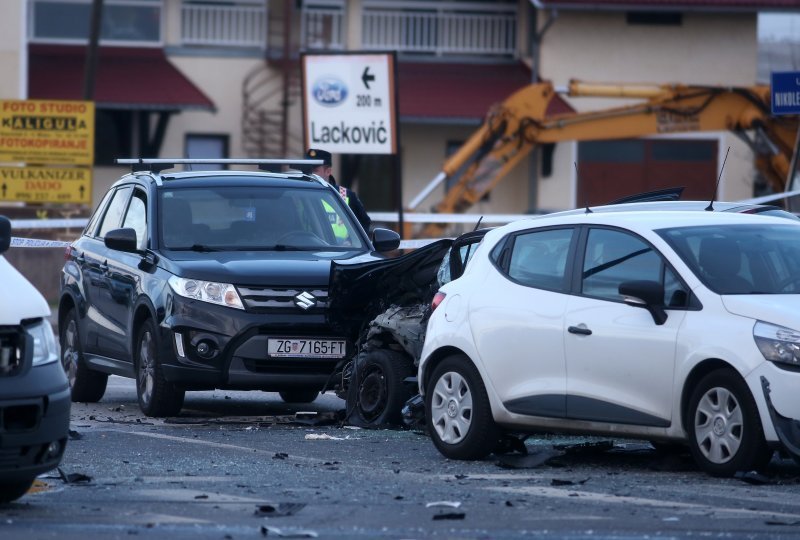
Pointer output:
209, 78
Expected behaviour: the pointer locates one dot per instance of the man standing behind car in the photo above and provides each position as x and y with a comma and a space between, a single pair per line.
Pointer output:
347, 194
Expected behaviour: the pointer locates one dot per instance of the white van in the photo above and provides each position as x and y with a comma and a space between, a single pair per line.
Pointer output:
34, 392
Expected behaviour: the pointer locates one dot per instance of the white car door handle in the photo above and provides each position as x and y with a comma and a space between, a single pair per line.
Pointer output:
581, 330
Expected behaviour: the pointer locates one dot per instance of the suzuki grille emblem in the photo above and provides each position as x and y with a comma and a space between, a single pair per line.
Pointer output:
305, 300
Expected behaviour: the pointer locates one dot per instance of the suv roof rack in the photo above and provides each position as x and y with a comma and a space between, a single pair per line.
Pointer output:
156, 165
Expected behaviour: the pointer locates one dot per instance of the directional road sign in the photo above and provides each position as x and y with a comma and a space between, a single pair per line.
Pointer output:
786, 92
349, 103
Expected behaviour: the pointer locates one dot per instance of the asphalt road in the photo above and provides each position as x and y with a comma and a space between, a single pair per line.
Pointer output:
231, 467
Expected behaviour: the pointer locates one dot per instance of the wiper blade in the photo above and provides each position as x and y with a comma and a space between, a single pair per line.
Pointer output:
203, 248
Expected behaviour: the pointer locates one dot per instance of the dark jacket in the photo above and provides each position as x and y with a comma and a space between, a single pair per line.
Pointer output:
355, 204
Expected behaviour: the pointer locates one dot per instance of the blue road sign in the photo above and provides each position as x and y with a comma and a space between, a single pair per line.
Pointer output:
786, 92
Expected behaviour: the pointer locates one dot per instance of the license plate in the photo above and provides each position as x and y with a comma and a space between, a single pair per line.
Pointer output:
306, 348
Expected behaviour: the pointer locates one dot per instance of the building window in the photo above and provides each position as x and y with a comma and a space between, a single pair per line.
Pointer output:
207, 147
655, 18
124, 21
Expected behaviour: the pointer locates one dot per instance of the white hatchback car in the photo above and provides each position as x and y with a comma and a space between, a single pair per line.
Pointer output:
670, 326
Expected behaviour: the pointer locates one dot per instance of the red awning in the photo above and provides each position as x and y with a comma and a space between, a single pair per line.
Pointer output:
126, 78
460, 92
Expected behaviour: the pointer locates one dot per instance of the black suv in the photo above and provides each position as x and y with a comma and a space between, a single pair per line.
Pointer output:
198, 280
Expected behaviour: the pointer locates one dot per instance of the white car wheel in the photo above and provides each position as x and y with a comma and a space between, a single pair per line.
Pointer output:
459, 415
451, 408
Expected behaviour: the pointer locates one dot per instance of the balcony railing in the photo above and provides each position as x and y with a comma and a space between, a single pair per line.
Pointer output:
243, 24
322, 24
440, 28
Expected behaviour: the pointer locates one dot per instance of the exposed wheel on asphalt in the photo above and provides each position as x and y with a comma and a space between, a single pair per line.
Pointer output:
157, 397
377, 393
11, 491
86, 385
299, 396
725, 432
459, 415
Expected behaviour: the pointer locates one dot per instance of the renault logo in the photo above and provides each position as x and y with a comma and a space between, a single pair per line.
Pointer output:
305, 300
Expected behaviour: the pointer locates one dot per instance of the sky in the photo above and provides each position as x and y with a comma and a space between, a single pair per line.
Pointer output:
779, 27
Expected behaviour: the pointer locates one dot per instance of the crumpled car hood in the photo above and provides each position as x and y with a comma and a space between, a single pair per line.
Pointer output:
360, 291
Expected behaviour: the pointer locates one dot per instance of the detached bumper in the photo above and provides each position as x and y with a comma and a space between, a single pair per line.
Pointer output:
787, 429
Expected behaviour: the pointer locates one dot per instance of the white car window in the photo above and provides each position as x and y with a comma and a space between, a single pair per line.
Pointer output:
539, 259
614, 257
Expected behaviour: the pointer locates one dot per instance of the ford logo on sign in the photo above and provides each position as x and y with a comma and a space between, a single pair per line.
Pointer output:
329, 91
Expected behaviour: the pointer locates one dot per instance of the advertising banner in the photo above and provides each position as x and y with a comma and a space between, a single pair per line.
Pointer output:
46, 132
46, 184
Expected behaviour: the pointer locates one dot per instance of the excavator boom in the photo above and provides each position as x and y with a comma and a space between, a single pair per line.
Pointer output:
513, 128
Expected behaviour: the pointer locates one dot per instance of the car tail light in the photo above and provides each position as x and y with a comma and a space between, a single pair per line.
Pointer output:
437, 299
67, 252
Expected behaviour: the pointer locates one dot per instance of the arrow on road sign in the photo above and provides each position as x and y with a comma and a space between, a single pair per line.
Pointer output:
81, 189
5, 187
367, 77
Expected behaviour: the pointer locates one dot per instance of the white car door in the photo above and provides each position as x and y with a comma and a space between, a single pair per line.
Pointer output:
620, 363
517, 321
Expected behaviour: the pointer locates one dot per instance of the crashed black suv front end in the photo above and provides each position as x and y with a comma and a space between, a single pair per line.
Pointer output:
278, 337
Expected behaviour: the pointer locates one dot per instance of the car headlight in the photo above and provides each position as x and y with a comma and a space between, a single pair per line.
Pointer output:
223, 294
777, 343
44, 343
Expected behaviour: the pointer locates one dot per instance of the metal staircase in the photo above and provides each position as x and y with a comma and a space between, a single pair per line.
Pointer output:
268, 96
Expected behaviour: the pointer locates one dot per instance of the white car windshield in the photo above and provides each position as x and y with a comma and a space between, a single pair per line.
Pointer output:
255, 218
741, 259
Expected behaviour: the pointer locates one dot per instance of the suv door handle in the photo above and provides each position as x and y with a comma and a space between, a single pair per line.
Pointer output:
581, 330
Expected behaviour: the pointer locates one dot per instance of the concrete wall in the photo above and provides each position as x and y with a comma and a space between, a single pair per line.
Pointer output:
424, 148
715, 49
600, 46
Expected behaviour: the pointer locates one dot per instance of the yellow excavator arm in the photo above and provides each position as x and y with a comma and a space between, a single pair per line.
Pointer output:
513, 128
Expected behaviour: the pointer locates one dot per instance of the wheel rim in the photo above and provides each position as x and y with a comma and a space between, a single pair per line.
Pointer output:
372, 393
451, 408
69, 352
718, 425
146, 378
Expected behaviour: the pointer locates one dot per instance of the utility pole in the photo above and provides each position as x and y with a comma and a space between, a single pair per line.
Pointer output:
91, 52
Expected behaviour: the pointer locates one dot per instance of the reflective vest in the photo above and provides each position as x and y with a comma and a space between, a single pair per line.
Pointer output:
338, 226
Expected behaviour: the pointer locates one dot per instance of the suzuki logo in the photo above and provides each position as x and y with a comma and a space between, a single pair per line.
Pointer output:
305, 300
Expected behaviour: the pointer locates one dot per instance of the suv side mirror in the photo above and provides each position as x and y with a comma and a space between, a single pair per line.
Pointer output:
121, 240
5, 234
385, 240
645, 294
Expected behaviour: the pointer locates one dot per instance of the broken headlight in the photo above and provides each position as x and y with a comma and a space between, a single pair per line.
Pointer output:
777, 343
223, 294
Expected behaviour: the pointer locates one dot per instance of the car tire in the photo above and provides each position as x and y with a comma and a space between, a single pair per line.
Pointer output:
157, 397
299, 396
377, 392
86, 385
724, 427
459, 415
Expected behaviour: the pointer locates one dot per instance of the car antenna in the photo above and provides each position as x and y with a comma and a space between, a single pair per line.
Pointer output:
478, 224
577, 179
710, 207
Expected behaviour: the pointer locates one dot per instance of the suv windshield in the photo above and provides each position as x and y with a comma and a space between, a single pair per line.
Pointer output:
255, 218
741, 259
